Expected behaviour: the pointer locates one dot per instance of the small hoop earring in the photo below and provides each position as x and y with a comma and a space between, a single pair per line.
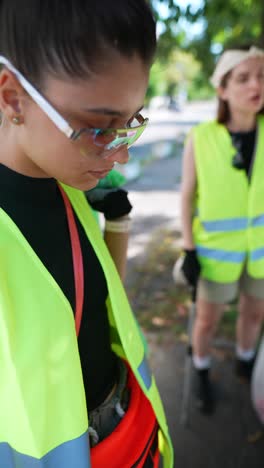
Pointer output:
16, 120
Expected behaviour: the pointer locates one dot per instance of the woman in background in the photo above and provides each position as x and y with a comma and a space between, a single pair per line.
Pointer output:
223, 214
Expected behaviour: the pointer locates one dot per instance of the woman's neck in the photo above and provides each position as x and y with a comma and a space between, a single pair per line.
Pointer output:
12, 156
240, 122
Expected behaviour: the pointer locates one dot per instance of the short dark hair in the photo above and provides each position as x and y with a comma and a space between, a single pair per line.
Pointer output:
74, 36
223, 111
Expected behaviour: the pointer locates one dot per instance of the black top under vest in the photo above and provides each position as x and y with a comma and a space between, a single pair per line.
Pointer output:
37, 208
245, 143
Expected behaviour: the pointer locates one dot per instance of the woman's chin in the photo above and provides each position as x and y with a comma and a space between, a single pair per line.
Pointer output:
82, 185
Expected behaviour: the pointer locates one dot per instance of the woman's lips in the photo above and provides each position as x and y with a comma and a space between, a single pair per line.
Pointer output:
255, 98
99, 174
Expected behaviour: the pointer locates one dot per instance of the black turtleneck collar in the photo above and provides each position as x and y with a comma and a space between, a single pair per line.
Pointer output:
19, 185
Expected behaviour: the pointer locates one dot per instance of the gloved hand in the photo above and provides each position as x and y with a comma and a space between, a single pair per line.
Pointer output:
191, 267
113, 203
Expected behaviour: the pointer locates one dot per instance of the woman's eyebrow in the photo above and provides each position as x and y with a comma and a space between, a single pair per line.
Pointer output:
242, 74
108, 111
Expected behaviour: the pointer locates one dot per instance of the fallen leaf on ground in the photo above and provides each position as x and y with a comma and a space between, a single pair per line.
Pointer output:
182, 310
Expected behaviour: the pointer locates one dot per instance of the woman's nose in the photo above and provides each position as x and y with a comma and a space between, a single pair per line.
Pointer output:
256, 82
121, 156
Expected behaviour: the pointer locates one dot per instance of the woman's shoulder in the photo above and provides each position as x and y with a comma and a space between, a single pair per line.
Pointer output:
207, 125
203, 129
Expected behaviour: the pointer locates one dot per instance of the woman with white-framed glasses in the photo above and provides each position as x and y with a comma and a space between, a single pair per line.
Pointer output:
72, 85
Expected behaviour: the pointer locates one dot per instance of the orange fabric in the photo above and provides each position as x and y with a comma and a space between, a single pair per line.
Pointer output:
132, 438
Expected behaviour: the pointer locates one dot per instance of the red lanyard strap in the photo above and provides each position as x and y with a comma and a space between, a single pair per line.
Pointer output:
77, 261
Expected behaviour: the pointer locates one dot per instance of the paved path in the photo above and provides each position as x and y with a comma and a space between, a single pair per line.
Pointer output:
155, 198
227, 439
224, 440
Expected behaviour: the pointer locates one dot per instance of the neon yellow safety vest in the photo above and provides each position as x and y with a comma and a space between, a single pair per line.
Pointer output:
229, 225
43, 415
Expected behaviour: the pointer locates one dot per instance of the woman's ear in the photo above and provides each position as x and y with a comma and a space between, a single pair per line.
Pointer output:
221, 93
11, 96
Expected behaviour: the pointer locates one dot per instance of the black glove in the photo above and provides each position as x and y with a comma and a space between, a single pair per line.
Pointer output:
113, 203
191, 267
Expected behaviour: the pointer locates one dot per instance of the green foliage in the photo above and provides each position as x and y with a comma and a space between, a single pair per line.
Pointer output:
224, 23
200, 88
233, 22
180, 70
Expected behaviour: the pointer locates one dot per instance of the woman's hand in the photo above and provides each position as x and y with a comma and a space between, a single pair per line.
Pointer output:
191, 267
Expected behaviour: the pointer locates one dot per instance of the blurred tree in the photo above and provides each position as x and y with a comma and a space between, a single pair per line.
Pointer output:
224, 23
178, 73
182, 68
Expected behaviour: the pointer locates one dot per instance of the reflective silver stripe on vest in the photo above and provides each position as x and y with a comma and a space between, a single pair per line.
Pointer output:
221, 255
145, 373
258, 221
225, 225
257, 254
232, 224
72, 454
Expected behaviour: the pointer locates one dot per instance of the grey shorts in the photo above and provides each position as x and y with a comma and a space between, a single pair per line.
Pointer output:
222, 293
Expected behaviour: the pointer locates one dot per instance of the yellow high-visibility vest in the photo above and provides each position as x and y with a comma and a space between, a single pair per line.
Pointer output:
229, 224
43, 415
